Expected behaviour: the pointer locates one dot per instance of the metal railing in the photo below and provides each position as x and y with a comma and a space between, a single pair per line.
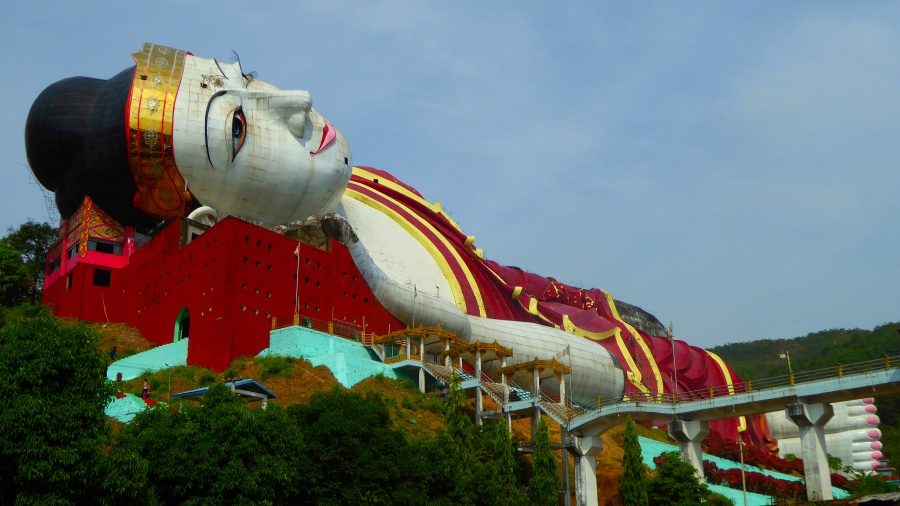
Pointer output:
748, 386
516, 393
338, 328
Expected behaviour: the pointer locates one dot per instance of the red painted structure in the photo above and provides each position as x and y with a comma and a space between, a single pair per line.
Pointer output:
232, 278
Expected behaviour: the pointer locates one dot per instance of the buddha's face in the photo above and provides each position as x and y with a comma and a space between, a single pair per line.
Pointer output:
247, 148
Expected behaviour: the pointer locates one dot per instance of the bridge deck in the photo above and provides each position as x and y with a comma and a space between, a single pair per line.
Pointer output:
856, 386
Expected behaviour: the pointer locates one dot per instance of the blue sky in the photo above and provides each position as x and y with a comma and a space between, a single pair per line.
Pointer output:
730, 167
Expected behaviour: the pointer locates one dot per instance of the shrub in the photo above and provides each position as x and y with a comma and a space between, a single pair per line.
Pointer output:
275, 367
756, 482
206, 378
714, 499
433, 404
240, 363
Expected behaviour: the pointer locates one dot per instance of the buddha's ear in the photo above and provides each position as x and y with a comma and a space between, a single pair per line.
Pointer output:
293, 107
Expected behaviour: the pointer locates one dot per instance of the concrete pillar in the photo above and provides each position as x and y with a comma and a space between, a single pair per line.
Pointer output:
585, 450
479, 401
447, 348
564, 436
422, 379
422, 349
811, 419
478, 364
408, 351
689, 434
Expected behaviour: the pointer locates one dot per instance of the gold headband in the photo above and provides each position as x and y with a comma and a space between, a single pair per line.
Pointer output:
161, 190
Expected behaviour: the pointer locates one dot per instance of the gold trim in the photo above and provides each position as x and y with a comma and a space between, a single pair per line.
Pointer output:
443, 263
724, 368
436, 207
161, 190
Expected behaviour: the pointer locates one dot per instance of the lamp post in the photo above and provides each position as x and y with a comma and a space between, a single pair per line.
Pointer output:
787, 355
743, 478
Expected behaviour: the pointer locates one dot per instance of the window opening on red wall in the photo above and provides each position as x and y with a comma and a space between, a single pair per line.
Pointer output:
102, 277
101, 246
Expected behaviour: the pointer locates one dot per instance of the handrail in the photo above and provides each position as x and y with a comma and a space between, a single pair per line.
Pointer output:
355, 332
748, 386
338, 328
522, 393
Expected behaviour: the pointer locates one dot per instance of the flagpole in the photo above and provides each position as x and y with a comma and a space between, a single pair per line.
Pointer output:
674, 363
297, 281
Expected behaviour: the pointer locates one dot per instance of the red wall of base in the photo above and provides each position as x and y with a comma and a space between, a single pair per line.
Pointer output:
76, 296
232, 279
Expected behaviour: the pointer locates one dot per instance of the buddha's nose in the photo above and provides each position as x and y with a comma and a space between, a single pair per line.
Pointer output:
294, 107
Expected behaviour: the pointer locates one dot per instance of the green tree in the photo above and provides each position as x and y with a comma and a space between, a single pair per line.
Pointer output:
633, 487
450, 465
32, 240
353, 455
495, 474
675, 483
542, 489
459, 423
15, 281
219, 453
52, 423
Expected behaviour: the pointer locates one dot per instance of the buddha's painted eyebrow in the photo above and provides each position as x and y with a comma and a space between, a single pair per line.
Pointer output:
220, 68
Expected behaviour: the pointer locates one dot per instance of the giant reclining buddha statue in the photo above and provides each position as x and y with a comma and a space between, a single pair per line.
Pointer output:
177, 135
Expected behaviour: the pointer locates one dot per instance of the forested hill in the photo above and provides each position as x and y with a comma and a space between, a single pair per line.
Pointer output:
826, 348
819, 350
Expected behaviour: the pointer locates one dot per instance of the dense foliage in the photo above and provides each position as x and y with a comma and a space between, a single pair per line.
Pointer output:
784, 490
818, 350
543, 484
52, 424
729, 449
338, 448
633, 486
222, 453
31, 240
15, 281
352, 454
675, 483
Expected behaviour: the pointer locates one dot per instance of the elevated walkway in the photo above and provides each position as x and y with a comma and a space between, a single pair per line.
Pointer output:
841, 383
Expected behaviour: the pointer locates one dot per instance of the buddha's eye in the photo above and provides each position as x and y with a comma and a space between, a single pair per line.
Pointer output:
238, 131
